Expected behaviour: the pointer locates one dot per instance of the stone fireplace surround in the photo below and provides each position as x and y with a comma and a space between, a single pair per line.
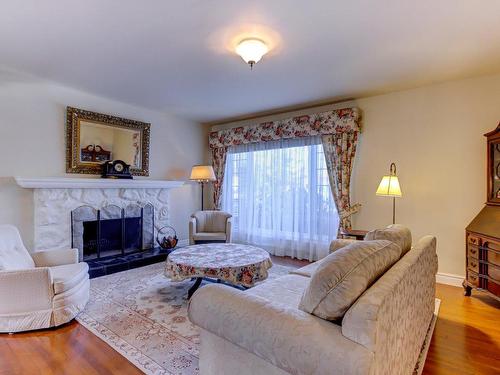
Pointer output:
55, 198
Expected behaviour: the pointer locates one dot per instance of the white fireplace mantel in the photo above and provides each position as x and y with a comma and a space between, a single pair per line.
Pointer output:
94, 183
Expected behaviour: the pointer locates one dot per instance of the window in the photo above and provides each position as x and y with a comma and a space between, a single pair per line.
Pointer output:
279, 195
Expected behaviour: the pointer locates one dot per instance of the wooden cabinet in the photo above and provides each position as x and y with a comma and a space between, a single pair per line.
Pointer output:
483, 233
483, 264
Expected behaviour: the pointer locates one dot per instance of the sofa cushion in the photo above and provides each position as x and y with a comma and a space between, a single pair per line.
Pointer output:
286, 290
396, 233
340, 243
209, 236
345, 274
67, 276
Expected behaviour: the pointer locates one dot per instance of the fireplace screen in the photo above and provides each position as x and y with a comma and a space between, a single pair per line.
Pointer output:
112, 230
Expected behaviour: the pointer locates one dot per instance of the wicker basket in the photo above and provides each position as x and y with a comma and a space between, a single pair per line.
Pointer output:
167, 237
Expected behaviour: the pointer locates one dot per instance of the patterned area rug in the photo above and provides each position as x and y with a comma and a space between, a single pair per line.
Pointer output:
143, 315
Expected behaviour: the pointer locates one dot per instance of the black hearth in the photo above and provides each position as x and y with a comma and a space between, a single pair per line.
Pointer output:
117, 263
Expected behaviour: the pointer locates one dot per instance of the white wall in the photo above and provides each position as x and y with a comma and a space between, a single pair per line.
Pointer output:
435, 136
32, 143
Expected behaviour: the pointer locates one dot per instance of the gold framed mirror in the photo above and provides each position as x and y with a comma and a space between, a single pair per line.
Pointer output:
94, 138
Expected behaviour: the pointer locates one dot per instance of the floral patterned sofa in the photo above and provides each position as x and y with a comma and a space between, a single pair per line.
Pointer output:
263, 330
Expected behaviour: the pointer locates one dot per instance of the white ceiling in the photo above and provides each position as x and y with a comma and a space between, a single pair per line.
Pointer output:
174, 55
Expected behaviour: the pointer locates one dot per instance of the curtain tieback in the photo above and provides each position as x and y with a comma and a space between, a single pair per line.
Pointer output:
349, 211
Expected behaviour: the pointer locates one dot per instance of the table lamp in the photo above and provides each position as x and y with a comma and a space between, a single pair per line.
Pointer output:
202, 174
389, 187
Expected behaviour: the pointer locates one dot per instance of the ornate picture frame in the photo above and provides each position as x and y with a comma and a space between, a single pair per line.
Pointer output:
73, 160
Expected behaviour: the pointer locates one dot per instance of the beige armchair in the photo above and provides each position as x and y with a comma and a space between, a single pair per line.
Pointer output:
209, 226
39, 290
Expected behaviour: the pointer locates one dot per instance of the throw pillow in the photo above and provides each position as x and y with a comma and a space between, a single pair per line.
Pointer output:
344, 275
396, 233
339, 244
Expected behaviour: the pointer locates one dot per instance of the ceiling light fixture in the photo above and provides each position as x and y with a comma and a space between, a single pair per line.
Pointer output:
251, 50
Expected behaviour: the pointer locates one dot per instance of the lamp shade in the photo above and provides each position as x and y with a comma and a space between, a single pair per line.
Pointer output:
202, 173
389, 187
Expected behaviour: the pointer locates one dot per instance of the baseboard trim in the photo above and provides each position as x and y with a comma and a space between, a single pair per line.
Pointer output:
449, 279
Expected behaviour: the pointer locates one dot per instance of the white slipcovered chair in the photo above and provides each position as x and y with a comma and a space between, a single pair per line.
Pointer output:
209, 226
39, 290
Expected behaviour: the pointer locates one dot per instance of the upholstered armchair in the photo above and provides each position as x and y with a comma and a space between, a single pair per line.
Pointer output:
209, 226
39, 290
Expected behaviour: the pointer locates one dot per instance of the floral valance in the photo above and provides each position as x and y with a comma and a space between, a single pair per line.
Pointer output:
324, 123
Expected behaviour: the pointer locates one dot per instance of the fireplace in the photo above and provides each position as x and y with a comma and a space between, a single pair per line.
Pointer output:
112, 230
118, 202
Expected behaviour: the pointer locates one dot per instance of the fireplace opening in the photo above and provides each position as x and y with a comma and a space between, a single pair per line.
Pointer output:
112, 238
112, 231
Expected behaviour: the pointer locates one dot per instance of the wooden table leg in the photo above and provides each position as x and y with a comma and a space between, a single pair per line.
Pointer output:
195, 286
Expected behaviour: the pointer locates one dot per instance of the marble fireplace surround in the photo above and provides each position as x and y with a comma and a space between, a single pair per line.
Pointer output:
55, 198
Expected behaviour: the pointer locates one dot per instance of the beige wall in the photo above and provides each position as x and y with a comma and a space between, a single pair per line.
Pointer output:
435, 135
32, 144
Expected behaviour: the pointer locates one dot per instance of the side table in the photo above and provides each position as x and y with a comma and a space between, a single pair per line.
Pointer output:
358, 234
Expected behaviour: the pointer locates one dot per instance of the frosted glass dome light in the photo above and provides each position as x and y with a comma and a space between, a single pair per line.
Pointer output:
251, 50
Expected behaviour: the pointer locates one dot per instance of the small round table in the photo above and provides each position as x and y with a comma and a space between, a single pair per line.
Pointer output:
240, 265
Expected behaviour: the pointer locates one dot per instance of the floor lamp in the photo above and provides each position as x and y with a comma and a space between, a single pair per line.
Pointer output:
202, 174
389, 187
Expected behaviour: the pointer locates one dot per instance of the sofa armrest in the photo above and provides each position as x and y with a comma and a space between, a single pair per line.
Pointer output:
25, 290
392, 316
192, 230
229, 223
290, 339
50, 258
340, 243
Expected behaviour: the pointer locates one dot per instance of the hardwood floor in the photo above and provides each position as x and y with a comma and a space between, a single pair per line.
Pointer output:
70, 349
467, 335
466, 341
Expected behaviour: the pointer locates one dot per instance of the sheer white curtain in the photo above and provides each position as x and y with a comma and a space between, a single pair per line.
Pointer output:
280, 197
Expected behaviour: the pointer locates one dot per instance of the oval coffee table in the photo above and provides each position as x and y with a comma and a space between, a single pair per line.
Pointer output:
235, 264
